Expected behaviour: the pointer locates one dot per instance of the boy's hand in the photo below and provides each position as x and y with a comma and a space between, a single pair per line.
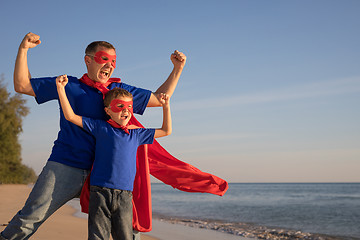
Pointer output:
61, 81
164, 99
30, 40
178, 59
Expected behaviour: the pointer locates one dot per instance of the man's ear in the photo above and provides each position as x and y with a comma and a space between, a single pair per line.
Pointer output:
87, 60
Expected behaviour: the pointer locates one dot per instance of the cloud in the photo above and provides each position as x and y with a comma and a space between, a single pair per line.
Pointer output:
141, 66
310, 90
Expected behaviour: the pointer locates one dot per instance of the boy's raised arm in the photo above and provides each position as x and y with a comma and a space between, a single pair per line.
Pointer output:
69, 114
166, 128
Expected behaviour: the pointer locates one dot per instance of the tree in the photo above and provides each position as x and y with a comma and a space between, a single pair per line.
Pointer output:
12, 111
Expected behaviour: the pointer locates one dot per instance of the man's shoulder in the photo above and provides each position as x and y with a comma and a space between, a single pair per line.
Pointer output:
73, 79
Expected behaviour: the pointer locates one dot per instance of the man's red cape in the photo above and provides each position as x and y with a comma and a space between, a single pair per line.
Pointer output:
154, 159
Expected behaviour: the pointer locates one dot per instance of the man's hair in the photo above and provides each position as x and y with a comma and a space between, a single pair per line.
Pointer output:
91, 48
115, 93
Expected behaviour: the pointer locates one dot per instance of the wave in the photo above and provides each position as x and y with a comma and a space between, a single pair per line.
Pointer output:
247, 230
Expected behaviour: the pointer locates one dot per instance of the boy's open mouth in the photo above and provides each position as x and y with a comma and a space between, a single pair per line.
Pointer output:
124, 117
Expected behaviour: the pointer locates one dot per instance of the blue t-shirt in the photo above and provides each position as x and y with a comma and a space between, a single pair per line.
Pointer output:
74, 146
115, 153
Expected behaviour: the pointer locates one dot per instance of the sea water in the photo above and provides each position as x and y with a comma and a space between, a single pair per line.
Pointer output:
267, 210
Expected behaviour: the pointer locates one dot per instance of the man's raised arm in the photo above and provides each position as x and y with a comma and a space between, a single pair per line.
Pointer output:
168, 87
21, 71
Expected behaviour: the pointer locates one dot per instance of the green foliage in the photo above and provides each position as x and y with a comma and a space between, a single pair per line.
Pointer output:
12, 111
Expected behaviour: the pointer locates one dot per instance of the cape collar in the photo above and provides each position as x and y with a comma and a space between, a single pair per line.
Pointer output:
116, 125
102, 87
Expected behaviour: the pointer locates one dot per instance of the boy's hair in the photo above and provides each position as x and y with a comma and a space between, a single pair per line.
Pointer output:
115, 93
91, 48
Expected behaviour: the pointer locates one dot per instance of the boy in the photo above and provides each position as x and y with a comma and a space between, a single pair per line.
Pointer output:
115, 159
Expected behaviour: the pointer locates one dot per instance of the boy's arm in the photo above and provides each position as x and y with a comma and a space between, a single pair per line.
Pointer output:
168, 87
166, 128
69, 114
21, 71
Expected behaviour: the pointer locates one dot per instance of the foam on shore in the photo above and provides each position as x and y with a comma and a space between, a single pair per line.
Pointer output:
242, 230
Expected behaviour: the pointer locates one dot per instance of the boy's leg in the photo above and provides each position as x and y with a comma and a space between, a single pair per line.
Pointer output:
136, 235
99, 222
56, 185
122, 216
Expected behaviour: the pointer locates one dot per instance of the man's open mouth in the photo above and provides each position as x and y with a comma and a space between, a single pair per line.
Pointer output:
104, 73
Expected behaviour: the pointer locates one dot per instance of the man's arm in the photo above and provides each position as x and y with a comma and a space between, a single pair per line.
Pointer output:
21, 71
69, 114
168, 87
166, 128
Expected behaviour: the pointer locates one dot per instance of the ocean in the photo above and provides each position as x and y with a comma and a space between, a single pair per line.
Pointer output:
267, 210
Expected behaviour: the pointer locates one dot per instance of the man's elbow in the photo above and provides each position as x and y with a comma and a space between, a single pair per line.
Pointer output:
18, 89
24, 89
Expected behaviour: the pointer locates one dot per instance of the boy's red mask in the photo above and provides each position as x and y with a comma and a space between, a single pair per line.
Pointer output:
118, 105
103, 57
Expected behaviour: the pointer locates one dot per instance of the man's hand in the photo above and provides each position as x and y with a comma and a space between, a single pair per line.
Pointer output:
30, 40
178, 59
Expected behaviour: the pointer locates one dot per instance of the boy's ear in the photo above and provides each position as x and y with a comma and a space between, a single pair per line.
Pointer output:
106, 109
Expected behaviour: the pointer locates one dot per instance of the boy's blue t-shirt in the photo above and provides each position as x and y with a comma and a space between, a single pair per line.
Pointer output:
115, 153
74, 146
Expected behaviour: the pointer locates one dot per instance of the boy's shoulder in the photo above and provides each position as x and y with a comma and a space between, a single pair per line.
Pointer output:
94, 121
133, 127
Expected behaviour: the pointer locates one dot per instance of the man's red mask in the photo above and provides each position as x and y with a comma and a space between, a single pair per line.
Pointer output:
103, 57
118, 105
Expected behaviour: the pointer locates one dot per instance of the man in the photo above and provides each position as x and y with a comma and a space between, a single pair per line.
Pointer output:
64, 174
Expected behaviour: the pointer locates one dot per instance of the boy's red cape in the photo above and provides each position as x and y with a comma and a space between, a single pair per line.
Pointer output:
155, 160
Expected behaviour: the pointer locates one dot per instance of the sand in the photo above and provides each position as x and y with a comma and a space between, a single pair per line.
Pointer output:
61, 225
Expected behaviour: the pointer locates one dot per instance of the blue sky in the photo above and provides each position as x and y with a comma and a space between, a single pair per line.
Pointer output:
270, 92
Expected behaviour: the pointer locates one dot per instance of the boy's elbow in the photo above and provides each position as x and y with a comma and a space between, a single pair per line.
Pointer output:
168, 132
69, 117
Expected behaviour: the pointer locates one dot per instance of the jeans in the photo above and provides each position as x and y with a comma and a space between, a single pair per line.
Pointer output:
110, 211
56, 185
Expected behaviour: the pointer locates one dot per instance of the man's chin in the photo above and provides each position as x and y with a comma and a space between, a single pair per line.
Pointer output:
102, 80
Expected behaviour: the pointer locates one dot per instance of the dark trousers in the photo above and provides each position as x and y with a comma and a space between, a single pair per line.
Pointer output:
110, 211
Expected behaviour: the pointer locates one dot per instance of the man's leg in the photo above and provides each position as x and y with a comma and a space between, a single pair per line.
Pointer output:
56, 185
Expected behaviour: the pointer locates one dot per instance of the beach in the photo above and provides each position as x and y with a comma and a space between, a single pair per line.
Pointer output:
61, 225
68, 223
64, 225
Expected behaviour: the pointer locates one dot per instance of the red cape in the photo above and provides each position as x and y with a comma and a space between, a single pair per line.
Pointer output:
154, 159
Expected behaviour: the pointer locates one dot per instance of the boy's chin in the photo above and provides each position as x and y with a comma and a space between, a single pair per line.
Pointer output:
124, 123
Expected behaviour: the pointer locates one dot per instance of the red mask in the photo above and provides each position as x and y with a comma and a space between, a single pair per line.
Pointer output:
103, 57
118, 105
